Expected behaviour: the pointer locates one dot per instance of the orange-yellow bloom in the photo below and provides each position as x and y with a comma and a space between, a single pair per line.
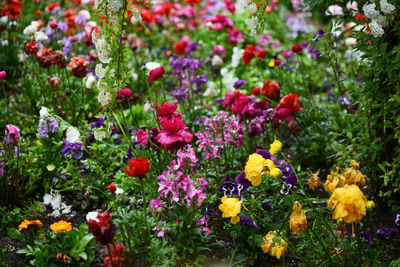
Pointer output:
349, 203
274, 246
298, 219
354, 175
314, 180
26, 223
230, 207
334, 180
61, 226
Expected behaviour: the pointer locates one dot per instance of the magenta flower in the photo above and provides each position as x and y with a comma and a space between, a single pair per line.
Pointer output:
3, 75
12, 134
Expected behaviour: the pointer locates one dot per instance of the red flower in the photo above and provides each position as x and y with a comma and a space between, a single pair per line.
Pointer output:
112, 187
249, 53
125, 93
271, 89
261, 54
290, 101
79, 66
297, 49
230, 6
234, 36
181, 47
137, 167
102, 228
59, 59
277, 62
53, 25
45, 57
51, 6
155, 74
165, 110
31, 48
255, 91
117, 256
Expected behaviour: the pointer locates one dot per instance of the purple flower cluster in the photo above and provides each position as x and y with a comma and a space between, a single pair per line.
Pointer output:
186, 75
221, 129
46, 126
297, 24
178, 183
72, 149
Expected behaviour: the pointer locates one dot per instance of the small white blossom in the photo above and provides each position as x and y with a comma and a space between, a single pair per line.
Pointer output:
209, 25
210, 89
4, 19
236, 56
147, 107
92, 216
252, 23
41, 37
370, 11
350, 41
73, 135
114, 5
44, 112
135, 16
376, 29
104, 97
149, 66
30, 30
251, 8
85, 14
100, 71
99, 134
352, 5
386, 7
381, 20
216, 61
90, 81
334, 10
119, 191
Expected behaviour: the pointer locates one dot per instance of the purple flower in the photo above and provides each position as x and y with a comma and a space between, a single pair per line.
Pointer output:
268, 206
386, 233
287, 184
74, 149
47, 125
2, 166
242, 183
264, 154
239, 83
228, 188
11, 134
286, 170
248, 221
209, 209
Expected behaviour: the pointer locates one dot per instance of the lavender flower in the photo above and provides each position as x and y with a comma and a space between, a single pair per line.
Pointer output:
248, 221
386, 233
46, 126
73, 149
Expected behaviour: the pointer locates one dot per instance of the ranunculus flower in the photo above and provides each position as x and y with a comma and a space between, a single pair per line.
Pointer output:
273, 248
125, 93
230, 208
290, 101
275, 147
103, 229
271, 89
298, 49
154, 70
349, 203
254, 168
138, 167
117, 256
255, 91
249, 53
78, 66
112, 187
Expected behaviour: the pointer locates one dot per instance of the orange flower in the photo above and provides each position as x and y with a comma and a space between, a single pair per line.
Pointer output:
26, 223
298, 219
61, 226
314, 181
273, 245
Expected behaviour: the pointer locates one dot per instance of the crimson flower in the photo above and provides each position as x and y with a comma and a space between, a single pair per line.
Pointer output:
271, 89
102, 228
79, 66
249, 53
156, 73
112, 187
117, 256
125, 93
297, 49
137, 167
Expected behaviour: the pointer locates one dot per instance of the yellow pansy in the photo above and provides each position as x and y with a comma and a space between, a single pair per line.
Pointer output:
254, 168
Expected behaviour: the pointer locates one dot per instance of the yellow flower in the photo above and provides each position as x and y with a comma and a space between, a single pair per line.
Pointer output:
26, 223
275, 172
230, 207
370, 204
334, 180
314, 181
254, 168
349, 203
298, 219
271, 64
354, 175
61, 226
275, 147
273, 245
235, 220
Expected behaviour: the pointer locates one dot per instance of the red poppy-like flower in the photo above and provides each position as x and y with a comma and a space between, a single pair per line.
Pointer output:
277, 62
138, 167
51, 6
290, 101
102, 228
53, 25
181, 47
147, 16
112, 187
156, 73
255, 91
297, 49
249, 53
78, 66
125, 93
59, 59
261, 54
271, 89
12, 9
117, 256
45, 57
191, 2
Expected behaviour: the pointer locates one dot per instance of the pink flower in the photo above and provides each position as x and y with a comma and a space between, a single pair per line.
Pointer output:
3, 75
125, 93
12, 134
143, 137
220, 22
234, 36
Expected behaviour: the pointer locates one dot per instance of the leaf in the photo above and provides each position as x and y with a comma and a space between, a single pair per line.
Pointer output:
14, 233
85, 241
149, 4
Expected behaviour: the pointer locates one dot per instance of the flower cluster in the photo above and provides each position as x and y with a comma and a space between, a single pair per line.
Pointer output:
47, 125
378, 21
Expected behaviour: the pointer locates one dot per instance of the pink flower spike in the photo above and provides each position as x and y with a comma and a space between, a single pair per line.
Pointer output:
155, 74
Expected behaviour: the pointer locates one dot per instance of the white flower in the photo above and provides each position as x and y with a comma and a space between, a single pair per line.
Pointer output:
104, 97
22, 57
100, 71
41, 37
350, 41
134, 76
210, 89
92, 216
99, 134
73, 135
381, 20
85, 14
44, 112
334, 10
386, 7
209, 25
119, 191
147, 107
135, 16
114, 5
30, 30
370, 11
90, 81
4, 19
216, 61
240, 5
251, 8
47, 198
352, 5
149, 66
55, 213
336, 29
252, 23
376, 29
236, 56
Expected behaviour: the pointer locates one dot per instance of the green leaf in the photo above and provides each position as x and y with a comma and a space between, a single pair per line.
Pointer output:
14, 233
149, 4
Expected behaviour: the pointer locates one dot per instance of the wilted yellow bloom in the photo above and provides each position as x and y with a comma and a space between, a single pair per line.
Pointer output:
275, 248
298, 219
353, 175
349, 203
275, 147
254, 168
235, 220
230, 207
370, 204
314, 180
334, 180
